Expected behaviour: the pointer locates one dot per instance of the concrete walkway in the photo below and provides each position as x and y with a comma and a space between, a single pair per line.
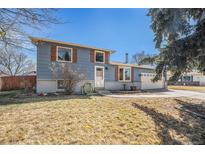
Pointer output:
170, 93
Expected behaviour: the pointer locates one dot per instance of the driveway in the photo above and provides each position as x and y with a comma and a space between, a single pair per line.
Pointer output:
170, 93
186, 93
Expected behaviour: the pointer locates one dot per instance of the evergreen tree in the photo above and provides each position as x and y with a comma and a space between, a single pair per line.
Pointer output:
180, 38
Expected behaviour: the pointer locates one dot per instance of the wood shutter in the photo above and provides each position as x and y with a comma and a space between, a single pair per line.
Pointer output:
132, 74
53, 53
75, 56
116, 73
92, 54
107, 57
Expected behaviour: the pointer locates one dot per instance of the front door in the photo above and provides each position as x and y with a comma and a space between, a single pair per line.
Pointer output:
99, 76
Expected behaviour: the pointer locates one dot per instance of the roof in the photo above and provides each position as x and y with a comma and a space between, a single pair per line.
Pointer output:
37, 40
132, 65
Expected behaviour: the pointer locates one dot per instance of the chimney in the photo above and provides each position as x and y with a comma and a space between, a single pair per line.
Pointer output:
126, 58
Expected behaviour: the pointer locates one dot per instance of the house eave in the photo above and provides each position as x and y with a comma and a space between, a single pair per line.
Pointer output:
131, 65
36, 40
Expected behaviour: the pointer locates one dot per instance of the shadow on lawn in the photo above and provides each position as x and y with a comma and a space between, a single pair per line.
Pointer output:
33, 99
191, 127
192, 109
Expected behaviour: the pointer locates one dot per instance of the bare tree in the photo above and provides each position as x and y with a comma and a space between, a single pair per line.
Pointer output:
69, 76
14, 63
15, 22
138, 57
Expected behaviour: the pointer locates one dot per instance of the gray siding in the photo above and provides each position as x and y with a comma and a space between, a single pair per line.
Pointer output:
43, 61
110, 73
136, 75
83, 64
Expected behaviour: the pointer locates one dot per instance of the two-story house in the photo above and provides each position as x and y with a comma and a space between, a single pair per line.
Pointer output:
93, 62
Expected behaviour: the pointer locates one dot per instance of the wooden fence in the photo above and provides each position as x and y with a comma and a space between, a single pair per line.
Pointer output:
17, 82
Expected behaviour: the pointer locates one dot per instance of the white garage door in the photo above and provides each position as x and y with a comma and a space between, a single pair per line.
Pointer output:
146, 82
202, 81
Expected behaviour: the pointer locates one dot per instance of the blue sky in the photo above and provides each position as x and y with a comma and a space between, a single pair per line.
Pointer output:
123, 30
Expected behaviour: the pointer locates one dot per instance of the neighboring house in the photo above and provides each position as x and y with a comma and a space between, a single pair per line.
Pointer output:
191, 78
93, 62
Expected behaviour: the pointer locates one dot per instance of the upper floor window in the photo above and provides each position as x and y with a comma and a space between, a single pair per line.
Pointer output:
99, 56
124, 74
64, 54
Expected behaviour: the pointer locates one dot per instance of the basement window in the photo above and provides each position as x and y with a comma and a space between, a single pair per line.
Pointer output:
60, 84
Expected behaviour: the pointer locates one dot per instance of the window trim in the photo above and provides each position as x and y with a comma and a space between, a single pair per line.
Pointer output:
71, 49
121, 67
97, 51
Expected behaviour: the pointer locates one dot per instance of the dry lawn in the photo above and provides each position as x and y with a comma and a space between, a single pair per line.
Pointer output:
100, 120
191, 88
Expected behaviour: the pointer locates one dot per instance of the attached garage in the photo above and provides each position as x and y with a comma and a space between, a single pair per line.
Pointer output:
146, 81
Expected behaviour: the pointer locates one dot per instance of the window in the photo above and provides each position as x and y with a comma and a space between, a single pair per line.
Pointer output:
60, 84
121, 74
127, 74
99, 56
187, 79
124, 74
64, 54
